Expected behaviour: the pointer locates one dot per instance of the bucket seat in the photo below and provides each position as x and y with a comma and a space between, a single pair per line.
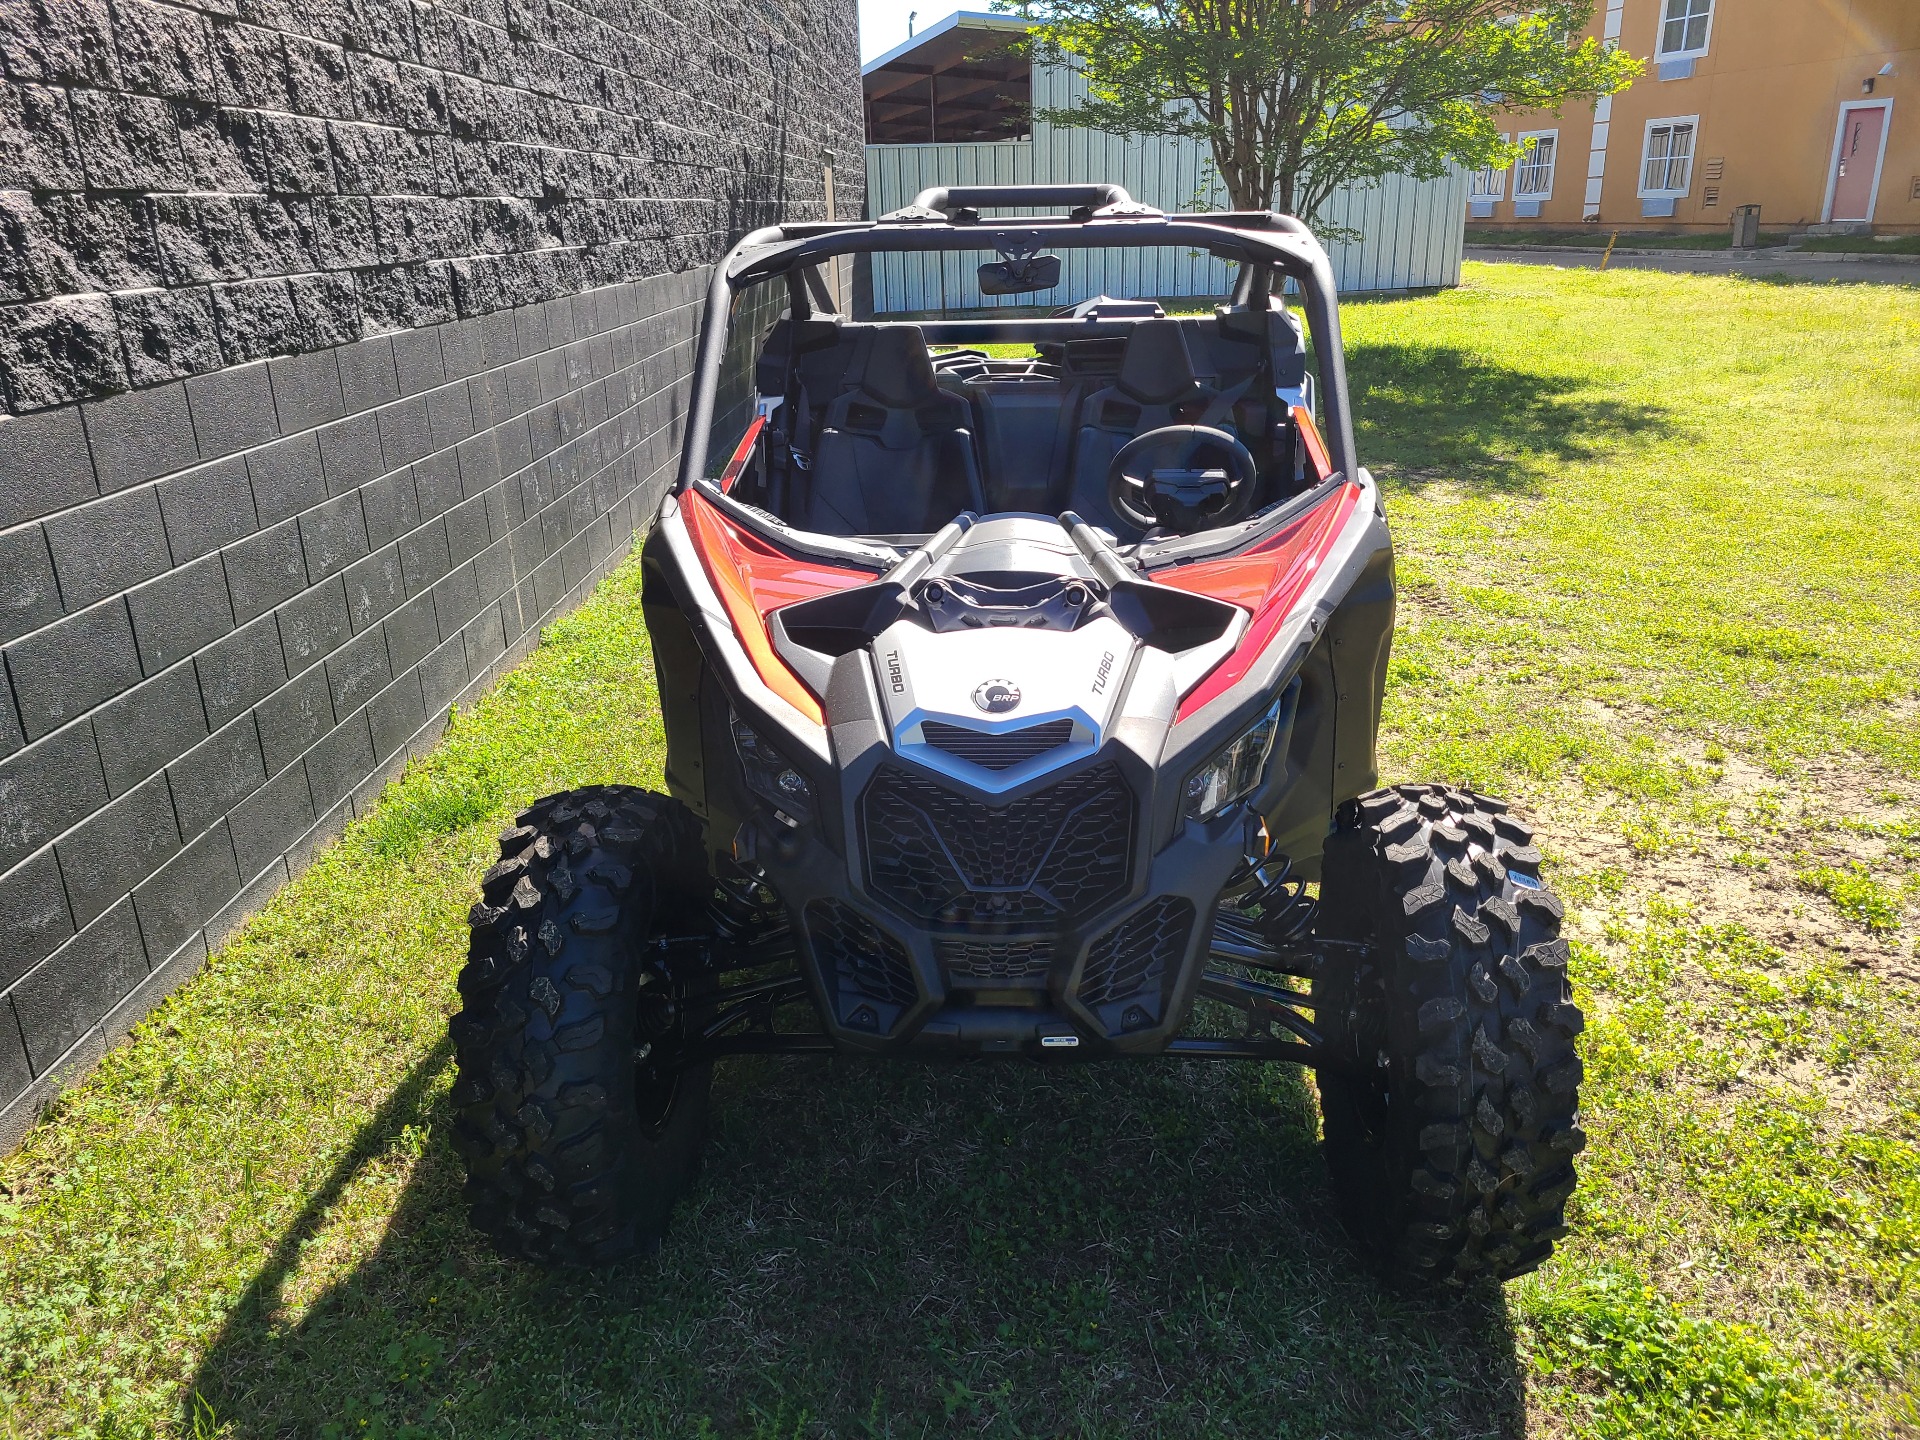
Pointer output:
895, 455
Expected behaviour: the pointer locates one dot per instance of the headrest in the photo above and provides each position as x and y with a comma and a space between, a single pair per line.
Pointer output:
898, 370
1156, 367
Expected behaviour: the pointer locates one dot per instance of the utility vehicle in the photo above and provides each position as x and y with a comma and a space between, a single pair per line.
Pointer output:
1012, 706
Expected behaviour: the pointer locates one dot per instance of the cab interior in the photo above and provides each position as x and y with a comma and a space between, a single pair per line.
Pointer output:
882, 431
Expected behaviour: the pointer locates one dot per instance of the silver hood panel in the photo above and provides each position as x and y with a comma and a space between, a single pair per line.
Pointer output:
998, 681
995, 672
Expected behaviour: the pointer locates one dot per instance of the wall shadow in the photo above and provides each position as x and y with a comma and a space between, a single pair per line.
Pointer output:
1424, 413
886, 1249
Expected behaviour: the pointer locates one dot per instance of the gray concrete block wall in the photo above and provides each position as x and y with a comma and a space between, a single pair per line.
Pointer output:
255, 643
192, 185
342, 346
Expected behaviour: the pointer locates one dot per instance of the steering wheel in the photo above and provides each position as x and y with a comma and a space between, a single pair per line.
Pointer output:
1152, 480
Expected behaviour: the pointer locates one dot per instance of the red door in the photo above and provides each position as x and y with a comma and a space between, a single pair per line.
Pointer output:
1859, 157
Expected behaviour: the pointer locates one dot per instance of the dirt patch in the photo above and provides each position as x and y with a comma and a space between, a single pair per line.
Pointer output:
1425, 599
1737, 848
1755, 883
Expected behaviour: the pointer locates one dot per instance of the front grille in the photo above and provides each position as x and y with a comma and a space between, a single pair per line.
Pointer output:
995, 959
1135, 957
997, 752
858, 958
1058, 852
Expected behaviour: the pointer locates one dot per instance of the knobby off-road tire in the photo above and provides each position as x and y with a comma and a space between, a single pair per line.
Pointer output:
576, 1146
1452, 1136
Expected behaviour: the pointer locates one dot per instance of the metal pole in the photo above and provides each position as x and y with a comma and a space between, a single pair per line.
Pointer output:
840, 304
708, 358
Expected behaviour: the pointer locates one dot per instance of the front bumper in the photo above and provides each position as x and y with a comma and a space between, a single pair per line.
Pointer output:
1046, 928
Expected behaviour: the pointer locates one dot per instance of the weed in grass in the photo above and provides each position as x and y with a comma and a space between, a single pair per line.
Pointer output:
1648, 837
1857, 895
1589, 887
1624, 1354
1902, 835
1753, 1118
1839, 1196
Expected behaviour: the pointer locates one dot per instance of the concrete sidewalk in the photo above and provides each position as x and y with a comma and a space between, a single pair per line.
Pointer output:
1800, 265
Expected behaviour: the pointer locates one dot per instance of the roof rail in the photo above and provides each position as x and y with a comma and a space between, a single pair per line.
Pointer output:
962, 204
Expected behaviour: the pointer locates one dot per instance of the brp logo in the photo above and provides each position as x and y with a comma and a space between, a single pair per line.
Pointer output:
996, 697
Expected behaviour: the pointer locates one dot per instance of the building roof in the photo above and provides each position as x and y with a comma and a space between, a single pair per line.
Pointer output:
960, 79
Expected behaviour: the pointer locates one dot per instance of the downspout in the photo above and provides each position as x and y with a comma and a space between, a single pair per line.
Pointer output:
1602, 119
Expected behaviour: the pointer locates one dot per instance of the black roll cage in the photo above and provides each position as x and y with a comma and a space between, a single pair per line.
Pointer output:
1099, 217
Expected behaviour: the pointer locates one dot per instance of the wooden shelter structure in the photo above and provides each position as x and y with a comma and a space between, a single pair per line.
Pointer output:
964, 78
953, 106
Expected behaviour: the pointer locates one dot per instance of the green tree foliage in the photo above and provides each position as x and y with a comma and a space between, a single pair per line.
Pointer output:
1296, 98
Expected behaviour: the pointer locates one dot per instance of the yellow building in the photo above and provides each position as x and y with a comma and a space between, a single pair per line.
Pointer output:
1809, 109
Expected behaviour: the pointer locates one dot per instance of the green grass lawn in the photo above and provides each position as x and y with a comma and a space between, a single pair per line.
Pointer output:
1596, 237
1660, 550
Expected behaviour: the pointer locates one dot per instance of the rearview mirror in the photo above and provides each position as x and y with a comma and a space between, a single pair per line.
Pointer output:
1020, 277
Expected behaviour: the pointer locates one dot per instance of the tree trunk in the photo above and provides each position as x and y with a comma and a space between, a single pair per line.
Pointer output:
1239, 171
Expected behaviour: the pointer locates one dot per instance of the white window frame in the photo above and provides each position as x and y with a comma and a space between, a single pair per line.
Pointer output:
1646, 152
1660, 34
1879, 162
1499, 191
1520, 166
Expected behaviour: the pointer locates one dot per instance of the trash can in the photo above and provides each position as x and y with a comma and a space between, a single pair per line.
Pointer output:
1746, 226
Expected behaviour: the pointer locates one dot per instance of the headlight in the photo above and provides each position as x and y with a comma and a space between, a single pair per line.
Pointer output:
771, 776
1235, 770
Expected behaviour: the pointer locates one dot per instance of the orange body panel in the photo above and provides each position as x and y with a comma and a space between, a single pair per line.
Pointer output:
1267, 582
741, 454
753, 579
1316, 447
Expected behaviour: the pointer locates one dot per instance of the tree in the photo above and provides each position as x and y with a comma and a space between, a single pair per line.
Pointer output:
1296, 98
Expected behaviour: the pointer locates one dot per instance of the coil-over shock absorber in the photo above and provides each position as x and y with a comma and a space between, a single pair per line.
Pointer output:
1270, 902
741, 906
